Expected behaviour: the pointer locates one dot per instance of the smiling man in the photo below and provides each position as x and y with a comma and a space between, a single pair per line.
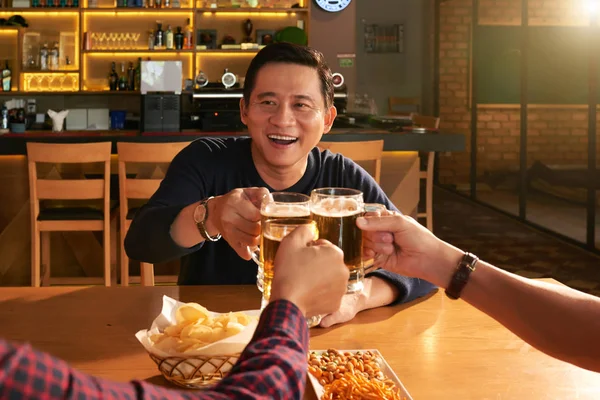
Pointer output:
206, 210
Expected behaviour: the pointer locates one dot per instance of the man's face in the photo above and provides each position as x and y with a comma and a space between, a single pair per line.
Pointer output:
286, 115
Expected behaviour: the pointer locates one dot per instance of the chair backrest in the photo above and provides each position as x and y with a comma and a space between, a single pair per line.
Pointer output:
425, 121
371, 150
134, 188
68, 189
403, 105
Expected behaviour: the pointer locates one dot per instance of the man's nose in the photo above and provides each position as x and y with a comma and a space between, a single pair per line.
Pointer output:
283, 116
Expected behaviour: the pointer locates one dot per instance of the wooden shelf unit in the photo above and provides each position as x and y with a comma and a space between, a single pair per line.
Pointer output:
225, 20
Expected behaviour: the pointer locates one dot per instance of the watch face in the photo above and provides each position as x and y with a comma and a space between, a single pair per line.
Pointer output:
333, 5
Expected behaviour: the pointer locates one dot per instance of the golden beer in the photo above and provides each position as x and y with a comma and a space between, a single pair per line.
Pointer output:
335, 211
273, 232
278, 205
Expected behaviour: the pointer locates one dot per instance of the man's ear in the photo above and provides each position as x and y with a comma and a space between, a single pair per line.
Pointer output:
329, 118
243, 111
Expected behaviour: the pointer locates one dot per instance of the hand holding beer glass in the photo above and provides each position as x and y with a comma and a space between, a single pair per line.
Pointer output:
335, 211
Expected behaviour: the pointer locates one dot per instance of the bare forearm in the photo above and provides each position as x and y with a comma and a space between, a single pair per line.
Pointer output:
555, 319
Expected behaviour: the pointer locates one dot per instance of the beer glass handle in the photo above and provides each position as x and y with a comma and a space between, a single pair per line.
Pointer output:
255, 253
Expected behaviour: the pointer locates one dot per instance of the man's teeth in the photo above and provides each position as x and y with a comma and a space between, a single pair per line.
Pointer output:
278, 137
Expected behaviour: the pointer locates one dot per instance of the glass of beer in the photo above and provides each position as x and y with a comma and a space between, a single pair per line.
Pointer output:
335, 211
273, 232
279, 205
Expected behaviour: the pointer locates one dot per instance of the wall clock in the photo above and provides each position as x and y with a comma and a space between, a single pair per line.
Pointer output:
333, 5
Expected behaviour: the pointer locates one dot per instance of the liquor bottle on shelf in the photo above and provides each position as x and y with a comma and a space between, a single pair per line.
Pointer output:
169, 38
113, 78
6, 78
44, 57
151, 40
4, 123
157, 3
179, 39
187, 41
138, 74
130, 77
53, 57
123, 78
159, 37
176, 3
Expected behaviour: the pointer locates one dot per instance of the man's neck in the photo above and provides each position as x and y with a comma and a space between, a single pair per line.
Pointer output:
280, 178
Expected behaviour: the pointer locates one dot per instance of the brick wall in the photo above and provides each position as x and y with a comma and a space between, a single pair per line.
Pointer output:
556, 136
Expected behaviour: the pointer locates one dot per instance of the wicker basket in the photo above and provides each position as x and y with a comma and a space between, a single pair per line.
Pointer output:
195, 372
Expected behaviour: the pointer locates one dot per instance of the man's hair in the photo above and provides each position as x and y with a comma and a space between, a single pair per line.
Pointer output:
288, 53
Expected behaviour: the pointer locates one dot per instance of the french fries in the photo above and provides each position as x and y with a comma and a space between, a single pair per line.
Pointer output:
196, 328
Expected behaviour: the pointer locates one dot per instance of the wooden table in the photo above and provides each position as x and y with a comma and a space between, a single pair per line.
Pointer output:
440, 349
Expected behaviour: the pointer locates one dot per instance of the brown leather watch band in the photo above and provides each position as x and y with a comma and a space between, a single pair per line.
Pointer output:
461, 275
201, 225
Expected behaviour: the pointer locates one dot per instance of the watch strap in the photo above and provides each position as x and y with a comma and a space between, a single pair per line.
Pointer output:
461, 276
201, 225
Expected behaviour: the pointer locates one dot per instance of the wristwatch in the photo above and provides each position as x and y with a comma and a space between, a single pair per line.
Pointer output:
461, 276
200, 218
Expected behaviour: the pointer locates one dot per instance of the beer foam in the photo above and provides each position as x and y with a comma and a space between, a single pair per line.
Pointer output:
338, 207
285, 210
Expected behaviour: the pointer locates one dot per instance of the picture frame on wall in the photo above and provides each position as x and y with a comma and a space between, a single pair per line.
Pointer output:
265, 36
206, 39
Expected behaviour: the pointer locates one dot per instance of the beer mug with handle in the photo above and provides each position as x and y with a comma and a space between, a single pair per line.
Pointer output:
278, 205
273, 232
335, 211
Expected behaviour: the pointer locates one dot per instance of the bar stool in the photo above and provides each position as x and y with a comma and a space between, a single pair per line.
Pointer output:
140, 188
46, 219
427, 174
371, 150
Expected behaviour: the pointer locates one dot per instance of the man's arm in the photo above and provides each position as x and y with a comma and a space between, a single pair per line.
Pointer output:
562, 322
273, 366
555, 319
149, 237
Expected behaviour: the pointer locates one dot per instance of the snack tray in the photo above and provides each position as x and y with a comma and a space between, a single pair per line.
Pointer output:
383, 365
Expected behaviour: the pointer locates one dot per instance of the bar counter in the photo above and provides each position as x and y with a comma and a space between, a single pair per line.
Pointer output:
15, 143
79, 254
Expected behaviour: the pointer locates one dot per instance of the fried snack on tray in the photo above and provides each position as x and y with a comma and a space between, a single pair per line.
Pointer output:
351, 376
196, 328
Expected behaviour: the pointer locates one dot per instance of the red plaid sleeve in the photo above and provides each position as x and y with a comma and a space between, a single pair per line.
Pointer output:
273, 366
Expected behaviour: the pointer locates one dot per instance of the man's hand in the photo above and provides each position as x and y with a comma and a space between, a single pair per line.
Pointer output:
400, 244
310, 274
236, 215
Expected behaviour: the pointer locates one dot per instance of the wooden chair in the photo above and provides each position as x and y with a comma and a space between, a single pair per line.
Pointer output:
52, 219
427, 174
403, 105
371, 150
140, 189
